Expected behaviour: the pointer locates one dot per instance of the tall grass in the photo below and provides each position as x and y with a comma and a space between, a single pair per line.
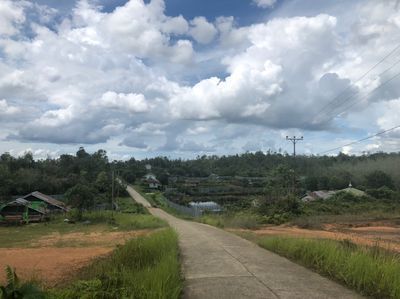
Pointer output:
232, 220
146, 267
371, 271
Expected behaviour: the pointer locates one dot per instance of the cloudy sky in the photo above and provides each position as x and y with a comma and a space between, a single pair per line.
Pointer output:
183, 78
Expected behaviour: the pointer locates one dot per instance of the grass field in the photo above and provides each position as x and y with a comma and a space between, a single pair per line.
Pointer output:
146, 267
22, 236
372, 271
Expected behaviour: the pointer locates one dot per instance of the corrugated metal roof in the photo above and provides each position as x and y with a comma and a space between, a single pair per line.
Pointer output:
47, 199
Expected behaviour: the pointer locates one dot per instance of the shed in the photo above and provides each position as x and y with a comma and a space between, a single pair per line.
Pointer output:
53, 205
21, 210
209, 206
321, 194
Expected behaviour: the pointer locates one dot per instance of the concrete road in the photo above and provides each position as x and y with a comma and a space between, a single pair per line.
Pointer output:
218, 264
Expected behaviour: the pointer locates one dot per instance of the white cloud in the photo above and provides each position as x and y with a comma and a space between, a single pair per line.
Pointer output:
7, 110
202, 31
264, 3
132, 102
11, 16
136, 77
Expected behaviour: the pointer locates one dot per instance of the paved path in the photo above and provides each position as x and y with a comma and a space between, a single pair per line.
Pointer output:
218, 264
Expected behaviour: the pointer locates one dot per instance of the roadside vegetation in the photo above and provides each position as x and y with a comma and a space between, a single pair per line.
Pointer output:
145, 267
372, 271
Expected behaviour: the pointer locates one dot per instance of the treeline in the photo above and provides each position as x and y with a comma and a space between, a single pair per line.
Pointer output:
23, 174
312, 172
90, 173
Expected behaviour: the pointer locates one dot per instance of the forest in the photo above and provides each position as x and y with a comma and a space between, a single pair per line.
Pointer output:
90, 173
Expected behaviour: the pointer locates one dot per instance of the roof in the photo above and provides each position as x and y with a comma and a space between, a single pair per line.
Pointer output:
320, 194
152, 181
354, 191
207, 205
26, 203
48, 199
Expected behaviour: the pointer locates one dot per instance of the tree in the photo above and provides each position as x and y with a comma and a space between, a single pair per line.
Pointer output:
377, 179
81, 197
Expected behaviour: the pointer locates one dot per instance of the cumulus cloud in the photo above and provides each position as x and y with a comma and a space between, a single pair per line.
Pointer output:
202, 31
11, 17
264, 3
131, 101
6, 109
136, 77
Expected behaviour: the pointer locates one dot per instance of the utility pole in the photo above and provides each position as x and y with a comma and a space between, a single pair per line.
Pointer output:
294, 140
112, 193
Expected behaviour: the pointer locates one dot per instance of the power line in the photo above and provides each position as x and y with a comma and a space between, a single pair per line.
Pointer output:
356, 92
365, 96
362, 77
360, 140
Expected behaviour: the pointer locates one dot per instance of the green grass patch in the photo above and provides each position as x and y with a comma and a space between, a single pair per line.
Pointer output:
146, 267
25, 235
233, 220
370, 270
128, 205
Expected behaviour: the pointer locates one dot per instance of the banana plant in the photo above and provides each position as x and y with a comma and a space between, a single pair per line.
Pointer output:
15, 289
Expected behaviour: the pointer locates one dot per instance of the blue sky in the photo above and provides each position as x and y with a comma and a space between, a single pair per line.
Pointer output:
183, 78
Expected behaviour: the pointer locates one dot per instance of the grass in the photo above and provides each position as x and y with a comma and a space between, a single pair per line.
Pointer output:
232, 220
128, 205
22, 236
146, 267
372, 271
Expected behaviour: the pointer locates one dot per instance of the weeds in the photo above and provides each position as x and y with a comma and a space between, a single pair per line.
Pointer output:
372, 271
146, 267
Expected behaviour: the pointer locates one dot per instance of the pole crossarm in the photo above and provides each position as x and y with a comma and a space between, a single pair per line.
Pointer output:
294, 140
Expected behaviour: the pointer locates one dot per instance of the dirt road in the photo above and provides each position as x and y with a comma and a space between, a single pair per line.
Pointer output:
218, 264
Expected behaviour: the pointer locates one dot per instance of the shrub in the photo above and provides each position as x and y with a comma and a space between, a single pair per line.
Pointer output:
15, 289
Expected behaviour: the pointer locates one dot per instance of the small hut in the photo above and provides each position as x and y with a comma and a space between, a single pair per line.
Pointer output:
22, 211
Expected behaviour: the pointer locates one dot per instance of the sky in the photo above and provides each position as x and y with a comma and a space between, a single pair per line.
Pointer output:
183, 78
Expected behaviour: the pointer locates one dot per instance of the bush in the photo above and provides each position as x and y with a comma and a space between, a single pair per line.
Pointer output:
146, 267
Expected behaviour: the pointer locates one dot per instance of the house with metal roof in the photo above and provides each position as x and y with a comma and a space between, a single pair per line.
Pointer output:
22, 211
209, 206
52, 205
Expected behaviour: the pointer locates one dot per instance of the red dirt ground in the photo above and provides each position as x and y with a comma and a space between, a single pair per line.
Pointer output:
56, 257
387, 237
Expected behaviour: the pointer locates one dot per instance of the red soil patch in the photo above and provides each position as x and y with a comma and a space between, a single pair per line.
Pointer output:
383, 236
57, 257
49, 265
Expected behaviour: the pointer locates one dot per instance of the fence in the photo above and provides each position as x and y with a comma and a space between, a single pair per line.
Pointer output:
191, 211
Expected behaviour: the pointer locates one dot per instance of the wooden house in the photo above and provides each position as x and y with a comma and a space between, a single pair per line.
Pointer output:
52, 205
22, 211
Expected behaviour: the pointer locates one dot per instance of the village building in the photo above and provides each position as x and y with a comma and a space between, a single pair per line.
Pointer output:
22, 211
52, 205
207, 206
151, 181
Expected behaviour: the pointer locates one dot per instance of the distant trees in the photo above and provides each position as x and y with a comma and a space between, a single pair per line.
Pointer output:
377, 179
